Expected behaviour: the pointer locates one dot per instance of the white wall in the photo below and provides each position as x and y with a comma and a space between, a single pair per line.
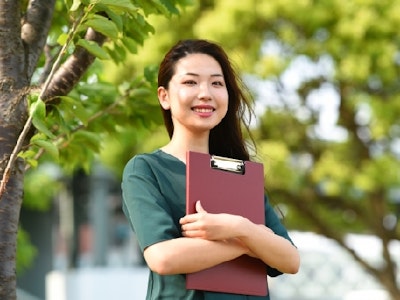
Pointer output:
97, 284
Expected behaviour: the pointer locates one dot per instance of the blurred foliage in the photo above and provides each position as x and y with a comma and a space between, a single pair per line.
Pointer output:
302, 48
40, 183
26, 252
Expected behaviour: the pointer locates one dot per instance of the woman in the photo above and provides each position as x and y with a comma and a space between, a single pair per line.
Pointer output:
203, 104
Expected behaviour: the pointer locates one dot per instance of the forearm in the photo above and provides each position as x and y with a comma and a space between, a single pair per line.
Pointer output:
187, 255
273, 249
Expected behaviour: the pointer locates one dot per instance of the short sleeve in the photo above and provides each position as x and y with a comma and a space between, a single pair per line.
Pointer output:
144, 205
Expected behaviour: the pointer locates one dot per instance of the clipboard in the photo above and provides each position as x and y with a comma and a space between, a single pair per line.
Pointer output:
231, 186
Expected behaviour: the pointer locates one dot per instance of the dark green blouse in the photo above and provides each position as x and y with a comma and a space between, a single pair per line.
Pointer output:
154, 191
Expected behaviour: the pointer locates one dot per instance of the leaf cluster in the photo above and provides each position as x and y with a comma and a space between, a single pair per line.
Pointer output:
71, 130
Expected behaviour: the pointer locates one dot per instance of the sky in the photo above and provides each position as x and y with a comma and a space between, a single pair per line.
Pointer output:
282, 95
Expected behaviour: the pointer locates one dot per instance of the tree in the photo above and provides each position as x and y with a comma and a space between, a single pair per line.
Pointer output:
347, 62
331, 186
47, 78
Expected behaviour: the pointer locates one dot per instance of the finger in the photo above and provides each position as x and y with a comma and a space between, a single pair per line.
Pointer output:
195, 233
188, 219
199, 207
192, 233
188, 227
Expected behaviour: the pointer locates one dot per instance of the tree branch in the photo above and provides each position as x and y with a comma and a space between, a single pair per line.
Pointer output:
348, 119
49, 62
35, 27
69, 74
330, 232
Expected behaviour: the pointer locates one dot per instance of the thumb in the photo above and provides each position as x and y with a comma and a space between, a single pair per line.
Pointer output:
199, 208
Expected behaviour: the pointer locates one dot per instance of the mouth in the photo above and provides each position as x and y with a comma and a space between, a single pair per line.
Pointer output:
200, 109
203, 110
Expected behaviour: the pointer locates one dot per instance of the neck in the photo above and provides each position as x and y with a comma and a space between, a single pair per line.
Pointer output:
178, 146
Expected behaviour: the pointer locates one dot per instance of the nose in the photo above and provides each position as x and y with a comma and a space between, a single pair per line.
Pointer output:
204, 92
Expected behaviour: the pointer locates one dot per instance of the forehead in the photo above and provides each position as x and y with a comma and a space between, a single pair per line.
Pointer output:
199, 64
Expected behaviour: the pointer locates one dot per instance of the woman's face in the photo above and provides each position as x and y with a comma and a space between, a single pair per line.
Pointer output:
197, 95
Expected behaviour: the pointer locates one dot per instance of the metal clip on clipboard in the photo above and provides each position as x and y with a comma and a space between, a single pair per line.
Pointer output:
227, 164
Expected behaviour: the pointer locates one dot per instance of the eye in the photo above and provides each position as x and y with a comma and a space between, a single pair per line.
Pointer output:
218, 83
189, 82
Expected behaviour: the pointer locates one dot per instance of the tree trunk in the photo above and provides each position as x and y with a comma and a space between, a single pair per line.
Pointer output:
10, 205
12, 116
20, 49
21, 44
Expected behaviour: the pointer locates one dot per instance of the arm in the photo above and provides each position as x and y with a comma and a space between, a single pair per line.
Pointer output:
187, 255
260, 241
148, 208
273, 249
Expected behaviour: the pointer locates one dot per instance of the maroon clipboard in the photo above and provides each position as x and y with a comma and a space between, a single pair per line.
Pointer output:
227, 186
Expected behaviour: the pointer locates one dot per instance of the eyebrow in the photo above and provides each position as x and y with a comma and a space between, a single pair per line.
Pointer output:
212, 75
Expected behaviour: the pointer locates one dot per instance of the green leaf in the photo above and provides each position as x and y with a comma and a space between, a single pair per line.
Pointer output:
88, 139
27, 154
62, 39
38, 109
32, 162
48, 146
150, 73
170, 7
119, 6
103, 25
145, 6
75, 5
75, 108
116, 18
29, 157
38, 113
118, 53
58, 119
42, 127
130, 44
140, 93
138, 29
93, 48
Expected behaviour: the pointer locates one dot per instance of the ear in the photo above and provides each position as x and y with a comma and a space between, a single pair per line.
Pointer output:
163, 98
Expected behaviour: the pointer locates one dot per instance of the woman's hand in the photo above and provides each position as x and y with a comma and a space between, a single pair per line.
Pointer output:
210, 226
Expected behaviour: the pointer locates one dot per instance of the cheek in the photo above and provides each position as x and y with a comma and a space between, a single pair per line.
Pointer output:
184, 96
180, 101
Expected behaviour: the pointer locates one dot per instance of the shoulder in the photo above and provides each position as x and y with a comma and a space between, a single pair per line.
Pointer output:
142, 162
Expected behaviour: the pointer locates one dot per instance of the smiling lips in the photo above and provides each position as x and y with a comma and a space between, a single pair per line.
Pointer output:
203, 109
203, 112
